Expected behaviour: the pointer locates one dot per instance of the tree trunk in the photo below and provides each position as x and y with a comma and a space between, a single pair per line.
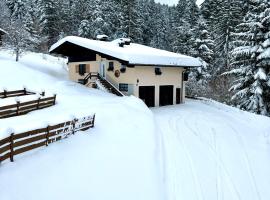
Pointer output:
17, 55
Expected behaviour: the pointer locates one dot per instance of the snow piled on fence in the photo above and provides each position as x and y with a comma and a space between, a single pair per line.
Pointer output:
115, 160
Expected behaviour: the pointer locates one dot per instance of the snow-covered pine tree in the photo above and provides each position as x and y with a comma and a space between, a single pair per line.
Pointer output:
68, 24
112, 16
185, 27
204, 50
131, 20
17, 8
161, 32
229, 15
182, 40
199, 77
4, 14
85, 29
102, 17
34, 26
81, 10
98, 22
148, 13
222, 16
264, 56
251, 59
50, 19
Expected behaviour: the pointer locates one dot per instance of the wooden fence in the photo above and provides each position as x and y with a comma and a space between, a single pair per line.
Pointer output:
20, 143
26, 107
15, 93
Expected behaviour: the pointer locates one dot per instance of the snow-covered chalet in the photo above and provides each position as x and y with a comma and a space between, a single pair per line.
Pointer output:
124, 68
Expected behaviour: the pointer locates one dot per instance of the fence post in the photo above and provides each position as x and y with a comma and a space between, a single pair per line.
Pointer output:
93, 121
47, 135
11, 147
54, 100
18, 108
5, 93
38, 101
73, 125
24, 91
42, 93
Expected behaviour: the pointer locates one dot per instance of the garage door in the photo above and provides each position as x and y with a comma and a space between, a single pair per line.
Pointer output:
166, 95
147, 94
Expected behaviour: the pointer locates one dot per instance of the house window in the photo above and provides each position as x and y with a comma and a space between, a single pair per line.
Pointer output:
82, 69
158, 71
111, 66
123, 87
123, 69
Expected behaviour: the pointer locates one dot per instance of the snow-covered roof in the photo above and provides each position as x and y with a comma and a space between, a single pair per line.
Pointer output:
134, 54
2, 31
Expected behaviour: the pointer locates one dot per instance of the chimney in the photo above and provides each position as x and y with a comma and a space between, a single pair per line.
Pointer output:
124, 41
102, 37
127, 41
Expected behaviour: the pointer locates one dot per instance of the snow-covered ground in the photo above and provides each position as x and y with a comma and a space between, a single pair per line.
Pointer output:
115, 160
213, 151
200, 150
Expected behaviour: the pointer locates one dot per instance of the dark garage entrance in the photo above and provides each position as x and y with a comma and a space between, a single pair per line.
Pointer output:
147, 94
178, 95
166, 95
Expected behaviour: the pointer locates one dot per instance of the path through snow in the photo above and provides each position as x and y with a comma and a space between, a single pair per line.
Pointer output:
214, 152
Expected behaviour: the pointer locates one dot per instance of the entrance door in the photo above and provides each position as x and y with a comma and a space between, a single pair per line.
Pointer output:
166, 95
102, 69
147, 94
178, 95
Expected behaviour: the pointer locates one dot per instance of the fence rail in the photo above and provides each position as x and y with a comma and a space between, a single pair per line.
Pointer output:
15, 93
17, 144
26, 107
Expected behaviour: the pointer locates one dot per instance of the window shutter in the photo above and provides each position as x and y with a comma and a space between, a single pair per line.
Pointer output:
77, 68
88, 68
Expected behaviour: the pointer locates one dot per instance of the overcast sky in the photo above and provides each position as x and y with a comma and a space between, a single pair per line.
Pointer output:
171, 2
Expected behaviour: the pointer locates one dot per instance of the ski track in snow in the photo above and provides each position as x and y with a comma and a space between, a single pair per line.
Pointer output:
216, 156
214, 151
178, 128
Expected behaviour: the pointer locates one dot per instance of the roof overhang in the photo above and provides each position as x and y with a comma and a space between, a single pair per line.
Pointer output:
69, 49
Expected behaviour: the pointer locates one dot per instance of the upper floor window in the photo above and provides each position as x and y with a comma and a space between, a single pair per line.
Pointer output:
123, 68
111, 66
158, 71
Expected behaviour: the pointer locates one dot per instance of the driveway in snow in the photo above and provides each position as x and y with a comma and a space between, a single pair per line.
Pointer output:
211, 151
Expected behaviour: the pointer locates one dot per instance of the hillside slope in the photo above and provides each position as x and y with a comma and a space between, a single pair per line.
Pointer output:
213, 151
115, 160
